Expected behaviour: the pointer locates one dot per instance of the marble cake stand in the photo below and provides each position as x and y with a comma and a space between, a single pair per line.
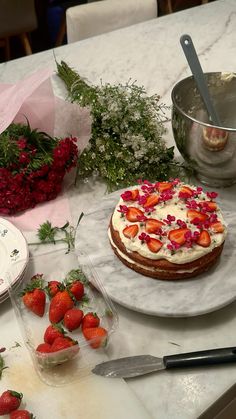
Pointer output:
182, 298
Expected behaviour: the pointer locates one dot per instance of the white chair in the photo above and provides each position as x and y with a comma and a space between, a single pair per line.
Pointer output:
87, 20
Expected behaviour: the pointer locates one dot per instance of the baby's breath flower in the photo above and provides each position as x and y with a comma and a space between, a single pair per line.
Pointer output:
127, 132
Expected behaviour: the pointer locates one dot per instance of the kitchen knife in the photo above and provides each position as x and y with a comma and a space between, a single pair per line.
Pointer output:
133, 366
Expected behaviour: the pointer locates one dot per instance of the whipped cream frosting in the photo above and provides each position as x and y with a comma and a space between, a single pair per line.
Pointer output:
147, 268
177, 205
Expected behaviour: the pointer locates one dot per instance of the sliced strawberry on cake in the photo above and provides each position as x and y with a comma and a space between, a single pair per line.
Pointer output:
196, 216
209, 206
152, 225
204, 239
130, 195
134, 194
185, 192
217, 227
134, 214
178, 235
164, 186
154, 245
151, 201
131, 231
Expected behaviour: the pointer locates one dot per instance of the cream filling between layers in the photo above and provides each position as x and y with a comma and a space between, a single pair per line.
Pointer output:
174, 207
147, 268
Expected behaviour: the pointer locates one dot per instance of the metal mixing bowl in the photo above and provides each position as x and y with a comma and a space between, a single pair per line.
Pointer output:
209, 150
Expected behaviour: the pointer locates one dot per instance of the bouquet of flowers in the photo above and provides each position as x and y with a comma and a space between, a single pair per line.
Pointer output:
127, 132
32, 167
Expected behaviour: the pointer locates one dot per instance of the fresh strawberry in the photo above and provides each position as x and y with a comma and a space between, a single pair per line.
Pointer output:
217, 227
152, 225
97, 336
154, 245
133, 214
9, 400
178, 235
210, 206
151, 200
52, 332
44, 348
73, 318
185, 192
34, 298
21, 414
62, 343
131, 231
204, 239
164, 186
196, 215
77, 289
53, 287
90, 320
59, 305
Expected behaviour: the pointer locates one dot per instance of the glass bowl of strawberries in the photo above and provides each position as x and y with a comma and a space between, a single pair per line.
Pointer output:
67, 319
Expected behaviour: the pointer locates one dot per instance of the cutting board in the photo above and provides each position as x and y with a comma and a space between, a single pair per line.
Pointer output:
91, 397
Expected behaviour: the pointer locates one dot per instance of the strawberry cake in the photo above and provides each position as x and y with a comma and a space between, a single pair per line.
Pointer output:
167, 230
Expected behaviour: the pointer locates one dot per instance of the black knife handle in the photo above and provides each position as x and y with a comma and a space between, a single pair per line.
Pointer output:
200, 358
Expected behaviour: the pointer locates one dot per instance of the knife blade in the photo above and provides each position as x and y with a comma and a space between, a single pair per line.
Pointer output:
133, 366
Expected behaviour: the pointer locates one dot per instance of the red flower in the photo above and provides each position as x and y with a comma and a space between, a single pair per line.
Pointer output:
22, 142
24, 158
21, 189
39, 196
45, 186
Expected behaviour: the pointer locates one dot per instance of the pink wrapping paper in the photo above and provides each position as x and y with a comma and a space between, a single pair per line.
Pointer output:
56, 211
33, 98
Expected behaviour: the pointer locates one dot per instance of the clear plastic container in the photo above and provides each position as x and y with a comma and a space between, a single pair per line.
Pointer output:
64, 366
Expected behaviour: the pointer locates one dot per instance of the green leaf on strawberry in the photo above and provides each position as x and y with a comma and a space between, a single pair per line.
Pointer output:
75, 275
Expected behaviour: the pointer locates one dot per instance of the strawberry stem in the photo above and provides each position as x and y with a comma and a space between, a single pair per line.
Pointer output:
2, 366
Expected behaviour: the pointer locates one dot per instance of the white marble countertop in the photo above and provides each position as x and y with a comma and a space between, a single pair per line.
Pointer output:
150, 53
